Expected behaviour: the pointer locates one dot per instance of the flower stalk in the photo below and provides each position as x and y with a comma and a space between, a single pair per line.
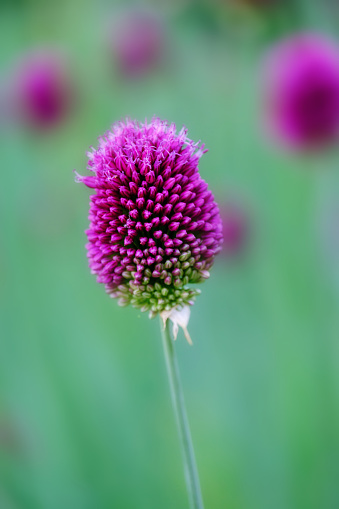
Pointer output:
190, 466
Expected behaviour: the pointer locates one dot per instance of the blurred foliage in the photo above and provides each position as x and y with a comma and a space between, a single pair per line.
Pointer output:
85, 415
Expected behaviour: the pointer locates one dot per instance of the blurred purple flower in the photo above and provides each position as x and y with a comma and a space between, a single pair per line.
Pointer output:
154, 225
302, 91
42, 89
138, 42
235, 229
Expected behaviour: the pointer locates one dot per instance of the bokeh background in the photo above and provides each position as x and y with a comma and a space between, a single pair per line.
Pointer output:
85, 414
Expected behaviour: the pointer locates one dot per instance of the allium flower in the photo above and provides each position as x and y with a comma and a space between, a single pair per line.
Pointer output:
138, 42
154, 225
235, 229
42, 90
302, 91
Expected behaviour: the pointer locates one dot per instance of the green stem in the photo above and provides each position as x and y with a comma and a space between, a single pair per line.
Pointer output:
191, 471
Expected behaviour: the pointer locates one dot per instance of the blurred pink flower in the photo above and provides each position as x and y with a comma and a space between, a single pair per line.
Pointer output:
138, 42
235, 229
301, 91
42, 91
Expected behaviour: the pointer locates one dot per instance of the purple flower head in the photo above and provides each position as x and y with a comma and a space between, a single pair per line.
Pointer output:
138, 42
42, 89
302, 91
235, 229
154, 225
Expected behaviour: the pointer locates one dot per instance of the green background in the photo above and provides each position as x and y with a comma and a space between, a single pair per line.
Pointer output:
85, 413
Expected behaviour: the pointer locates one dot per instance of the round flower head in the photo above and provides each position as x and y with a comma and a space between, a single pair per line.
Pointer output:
138, 42
302, 91
154, 225
235, 229
42, 91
